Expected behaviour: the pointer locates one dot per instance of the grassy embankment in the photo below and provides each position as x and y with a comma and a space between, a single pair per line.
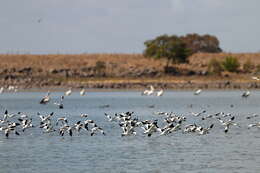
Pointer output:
82, 69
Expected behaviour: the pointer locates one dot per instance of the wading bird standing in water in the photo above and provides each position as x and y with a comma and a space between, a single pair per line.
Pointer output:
46, 98
245, 94
197, 92
67, 93
82, 92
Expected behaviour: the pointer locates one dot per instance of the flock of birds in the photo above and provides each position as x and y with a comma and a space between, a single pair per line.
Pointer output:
18, 123
171, 122
151, 91
148, 92
10, 88
244, 94
164, 124
129, 124
46, 99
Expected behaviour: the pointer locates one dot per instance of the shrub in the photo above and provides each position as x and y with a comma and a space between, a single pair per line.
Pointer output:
248, 66
100, 65
231, 64
257, 68
215, 66
100, 68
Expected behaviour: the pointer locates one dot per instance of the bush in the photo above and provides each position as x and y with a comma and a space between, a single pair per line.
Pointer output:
231, 64
248, 66
100, 68
215, 66
257, 68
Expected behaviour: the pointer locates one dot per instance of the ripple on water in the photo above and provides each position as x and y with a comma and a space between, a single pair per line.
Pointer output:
33, 151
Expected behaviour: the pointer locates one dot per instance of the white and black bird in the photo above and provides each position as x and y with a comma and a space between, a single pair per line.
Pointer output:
45, 118
95, 129
65, 128
83, 92
252, 116
149, 129
198, 113
26, 123
254, 125
60, 104
67, 93
160, 93
63, 120
7, 130
245, 94
228, 123
110, 118
197, 92
6, 116
22, 115
46, 98
148, 92
83, 115
2, 90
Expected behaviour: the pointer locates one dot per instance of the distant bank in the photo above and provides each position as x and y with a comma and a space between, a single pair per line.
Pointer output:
124, 71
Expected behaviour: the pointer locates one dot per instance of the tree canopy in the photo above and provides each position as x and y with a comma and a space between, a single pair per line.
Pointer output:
201, 43
170, 47
177, 49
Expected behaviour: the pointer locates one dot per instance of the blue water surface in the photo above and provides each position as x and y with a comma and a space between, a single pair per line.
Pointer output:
35, 151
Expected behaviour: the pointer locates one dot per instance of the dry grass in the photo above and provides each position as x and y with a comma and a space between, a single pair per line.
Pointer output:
116, 64
76, 61
114, 61
202, 59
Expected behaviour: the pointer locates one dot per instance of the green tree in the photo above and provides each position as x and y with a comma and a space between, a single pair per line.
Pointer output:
170, 47
231, 64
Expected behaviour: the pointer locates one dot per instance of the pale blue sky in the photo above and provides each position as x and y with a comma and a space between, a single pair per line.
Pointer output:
122, 26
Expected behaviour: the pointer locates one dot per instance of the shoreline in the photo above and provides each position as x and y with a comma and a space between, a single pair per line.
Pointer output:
124, 72
119, 90
139, 85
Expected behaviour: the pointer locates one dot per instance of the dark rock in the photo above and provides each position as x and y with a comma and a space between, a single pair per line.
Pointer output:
8, 77
171, 70
191, 72
25, 70
227, 83
53, 71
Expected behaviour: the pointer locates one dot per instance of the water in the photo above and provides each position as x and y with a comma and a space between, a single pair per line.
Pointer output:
33, 151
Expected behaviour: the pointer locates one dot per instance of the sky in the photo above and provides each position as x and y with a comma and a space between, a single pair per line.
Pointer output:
122, 26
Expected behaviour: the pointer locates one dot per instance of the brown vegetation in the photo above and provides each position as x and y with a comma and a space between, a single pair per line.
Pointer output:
197, 61
73, 61
46, 70
202, 59
201, 43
